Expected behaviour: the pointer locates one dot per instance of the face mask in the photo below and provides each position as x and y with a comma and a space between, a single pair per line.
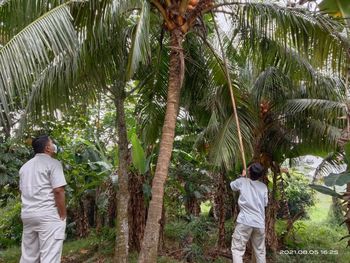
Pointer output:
55, 149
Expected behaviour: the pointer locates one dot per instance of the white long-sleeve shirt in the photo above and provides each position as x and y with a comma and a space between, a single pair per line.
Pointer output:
252, 201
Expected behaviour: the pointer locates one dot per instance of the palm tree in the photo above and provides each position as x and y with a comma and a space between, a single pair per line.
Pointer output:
269, 82
48, 60
178, 21
58, 52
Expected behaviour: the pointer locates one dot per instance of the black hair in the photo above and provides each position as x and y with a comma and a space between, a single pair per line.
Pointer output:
256, 170
39, 143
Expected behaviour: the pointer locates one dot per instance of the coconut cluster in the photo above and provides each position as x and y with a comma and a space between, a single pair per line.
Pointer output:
192, 4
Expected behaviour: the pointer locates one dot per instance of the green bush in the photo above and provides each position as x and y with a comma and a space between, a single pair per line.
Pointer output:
12, 157
335, 214
229, 228
192, 236
298, 194
319, 237
10, 224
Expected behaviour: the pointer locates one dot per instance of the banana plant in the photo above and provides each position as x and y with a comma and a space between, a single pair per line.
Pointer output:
338, 179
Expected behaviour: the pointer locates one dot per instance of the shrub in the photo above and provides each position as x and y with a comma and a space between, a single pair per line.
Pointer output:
10, 224
298, 194
192, 236
335, 214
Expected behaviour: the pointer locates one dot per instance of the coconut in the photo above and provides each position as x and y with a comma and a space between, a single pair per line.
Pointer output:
190, 7
193, 2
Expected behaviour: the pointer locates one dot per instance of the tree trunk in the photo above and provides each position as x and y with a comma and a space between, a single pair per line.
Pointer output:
219, 200
192, 206
271, 212
176, 75
91, 210
81, 218
161, 230
137, 211
112, 203
122, 227
347, 215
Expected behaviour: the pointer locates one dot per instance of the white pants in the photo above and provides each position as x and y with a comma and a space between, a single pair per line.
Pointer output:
42, 239
241, 236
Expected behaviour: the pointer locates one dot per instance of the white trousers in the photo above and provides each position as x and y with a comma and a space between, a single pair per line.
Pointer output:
42, 239
240, 238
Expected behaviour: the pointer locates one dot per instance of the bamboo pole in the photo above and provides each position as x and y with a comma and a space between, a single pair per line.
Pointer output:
233, 101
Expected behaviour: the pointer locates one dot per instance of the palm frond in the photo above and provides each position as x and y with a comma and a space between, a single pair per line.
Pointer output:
333, 163
24, 57
57, 78
319, 132
272, 85
140, 45
151, 109
311, 33
17, 14
225, 145
294, 106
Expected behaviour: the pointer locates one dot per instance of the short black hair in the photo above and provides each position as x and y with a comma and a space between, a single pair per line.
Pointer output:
39, 143
256, 170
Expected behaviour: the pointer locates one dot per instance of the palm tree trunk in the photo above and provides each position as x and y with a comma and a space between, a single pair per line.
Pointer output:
220, 196
176, 75
192, 206
347, 215
82, 218
122, 227
137, 211
271, 213
112, 203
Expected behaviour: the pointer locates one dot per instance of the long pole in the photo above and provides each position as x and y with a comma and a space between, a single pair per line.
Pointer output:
233, 101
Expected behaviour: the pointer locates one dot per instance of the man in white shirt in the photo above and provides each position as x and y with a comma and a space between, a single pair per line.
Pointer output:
251, 218
43, 204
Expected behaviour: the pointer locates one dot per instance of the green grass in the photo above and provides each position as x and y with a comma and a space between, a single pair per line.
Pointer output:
73, 251
83, 250
10, 255
319, 212
315, 235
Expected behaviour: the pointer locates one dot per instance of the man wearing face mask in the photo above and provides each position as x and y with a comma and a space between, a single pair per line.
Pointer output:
43, 204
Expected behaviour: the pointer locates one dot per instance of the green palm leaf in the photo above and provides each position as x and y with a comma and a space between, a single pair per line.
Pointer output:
311, 33
29, 52
140, 48
225, 147
294, 106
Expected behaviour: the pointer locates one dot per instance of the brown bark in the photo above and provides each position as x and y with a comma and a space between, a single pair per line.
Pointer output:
176, 75
106, 217
112, 203
161, 230
220, 208
271, 213
137, 211
347, 215
99, 218
192, 206
81, 219
122, 227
